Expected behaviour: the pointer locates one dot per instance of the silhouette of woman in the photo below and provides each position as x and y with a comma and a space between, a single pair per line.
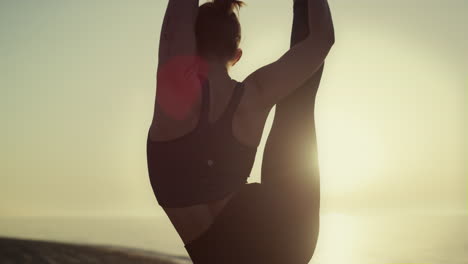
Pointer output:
206, 128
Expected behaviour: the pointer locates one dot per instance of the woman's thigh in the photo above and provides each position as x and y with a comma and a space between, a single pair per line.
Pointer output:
258, 225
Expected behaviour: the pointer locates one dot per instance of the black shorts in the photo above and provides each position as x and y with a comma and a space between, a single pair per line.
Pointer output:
258, 225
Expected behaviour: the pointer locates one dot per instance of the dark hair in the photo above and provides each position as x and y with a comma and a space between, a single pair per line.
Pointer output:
218, 30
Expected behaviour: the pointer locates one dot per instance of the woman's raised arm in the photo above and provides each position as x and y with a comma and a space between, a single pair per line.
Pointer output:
178, 30
269, 84
178, 86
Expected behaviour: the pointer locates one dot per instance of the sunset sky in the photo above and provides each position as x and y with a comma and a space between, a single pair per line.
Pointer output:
77, 82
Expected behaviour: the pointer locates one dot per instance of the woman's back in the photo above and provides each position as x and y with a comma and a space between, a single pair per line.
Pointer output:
191, 221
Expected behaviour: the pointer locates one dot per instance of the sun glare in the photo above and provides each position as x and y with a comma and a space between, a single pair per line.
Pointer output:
350, 155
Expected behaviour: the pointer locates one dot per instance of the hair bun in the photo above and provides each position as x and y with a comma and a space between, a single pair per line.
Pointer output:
228, 6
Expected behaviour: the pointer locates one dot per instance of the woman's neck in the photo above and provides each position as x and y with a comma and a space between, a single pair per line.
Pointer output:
218, 73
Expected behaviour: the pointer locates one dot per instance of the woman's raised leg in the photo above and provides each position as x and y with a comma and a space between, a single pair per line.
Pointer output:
290, 157
290, 160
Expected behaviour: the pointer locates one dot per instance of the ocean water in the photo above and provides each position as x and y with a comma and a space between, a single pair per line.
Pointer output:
409, 238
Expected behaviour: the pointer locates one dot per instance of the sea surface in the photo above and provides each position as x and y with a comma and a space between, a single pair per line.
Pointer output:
397, 238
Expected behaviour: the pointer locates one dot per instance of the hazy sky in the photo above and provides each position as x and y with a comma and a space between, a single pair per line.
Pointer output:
77, 82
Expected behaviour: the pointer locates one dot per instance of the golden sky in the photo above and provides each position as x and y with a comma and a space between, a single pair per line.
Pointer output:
77, 81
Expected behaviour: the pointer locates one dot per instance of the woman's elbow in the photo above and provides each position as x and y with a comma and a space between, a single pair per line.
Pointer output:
320, 46
331, 39
328, 38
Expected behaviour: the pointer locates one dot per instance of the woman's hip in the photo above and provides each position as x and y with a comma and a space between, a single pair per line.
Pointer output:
258, 225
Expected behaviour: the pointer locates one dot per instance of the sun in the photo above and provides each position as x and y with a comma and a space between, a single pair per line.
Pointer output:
350, 155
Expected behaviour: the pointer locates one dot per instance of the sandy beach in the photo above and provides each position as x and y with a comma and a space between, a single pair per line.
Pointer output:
23, 251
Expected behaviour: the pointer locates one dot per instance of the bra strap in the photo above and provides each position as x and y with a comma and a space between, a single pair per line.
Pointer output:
235, 100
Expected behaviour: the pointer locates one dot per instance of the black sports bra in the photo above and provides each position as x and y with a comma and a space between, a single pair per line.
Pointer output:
204, 165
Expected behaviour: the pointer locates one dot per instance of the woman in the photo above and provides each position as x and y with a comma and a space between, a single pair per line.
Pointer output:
206, 128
